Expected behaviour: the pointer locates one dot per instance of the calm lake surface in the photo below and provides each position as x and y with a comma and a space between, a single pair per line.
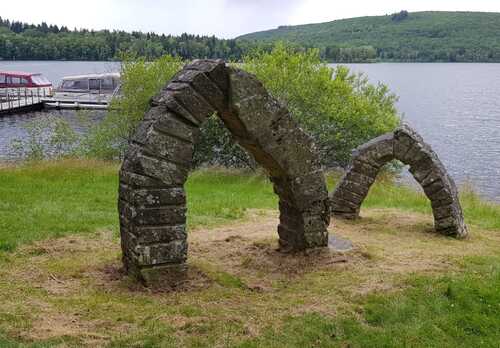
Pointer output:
455, 107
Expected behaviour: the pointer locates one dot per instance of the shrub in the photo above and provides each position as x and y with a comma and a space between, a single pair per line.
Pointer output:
140, 80
338, 109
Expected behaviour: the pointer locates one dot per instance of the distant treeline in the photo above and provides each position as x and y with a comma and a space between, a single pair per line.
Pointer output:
22, 41
406, 37
49, 42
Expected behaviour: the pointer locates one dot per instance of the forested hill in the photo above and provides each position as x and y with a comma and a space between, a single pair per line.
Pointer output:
51, 42
418, 36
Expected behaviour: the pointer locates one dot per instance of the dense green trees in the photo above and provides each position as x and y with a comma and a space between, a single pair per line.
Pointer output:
403, 36
406, 37
41, 42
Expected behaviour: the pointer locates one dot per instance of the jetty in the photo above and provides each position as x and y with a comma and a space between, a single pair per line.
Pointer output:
21, 100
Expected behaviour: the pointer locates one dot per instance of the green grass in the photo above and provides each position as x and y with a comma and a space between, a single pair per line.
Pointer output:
48, 200
449, 311
53, 199
477, 211
454, 302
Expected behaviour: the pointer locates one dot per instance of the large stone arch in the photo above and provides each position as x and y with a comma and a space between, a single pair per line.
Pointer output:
152, 201
406, 145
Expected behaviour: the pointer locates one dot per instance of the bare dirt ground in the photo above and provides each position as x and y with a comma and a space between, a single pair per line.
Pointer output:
74, 286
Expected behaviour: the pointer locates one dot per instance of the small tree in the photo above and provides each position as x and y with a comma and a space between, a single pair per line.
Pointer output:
338, 109
140, 80
401, 16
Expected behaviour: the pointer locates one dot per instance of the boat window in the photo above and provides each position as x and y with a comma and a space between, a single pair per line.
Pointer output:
15, 80
107, 84
40, 80
94, 84
24, 81
75, 84
2, 78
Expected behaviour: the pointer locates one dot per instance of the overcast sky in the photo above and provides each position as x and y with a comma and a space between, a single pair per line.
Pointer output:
223, 18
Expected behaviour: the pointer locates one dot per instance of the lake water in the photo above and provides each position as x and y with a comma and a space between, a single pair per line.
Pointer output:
455, 107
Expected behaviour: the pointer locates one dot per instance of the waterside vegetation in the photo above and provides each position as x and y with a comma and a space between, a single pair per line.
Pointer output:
340, 110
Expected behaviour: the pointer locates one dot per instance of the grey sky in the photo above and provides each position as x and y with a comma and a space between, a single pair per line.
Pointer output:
223, 18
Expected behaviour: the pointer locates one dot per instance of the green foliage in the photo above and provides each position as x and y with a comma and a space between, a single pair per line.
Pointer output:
41, 42
418, 36
140, 80
216, 147
401, 16
340, 113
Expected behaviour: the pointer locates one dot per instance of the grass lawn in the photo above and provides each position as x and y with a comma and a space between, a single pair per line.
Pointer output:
61, 284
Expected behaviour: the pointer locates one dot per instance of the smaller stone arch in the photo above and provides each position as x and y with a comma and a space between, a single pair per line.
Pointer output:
405, 145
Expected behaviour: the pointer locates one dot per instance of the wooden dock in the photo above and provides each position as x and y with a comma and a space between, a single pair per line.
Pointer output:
20, 100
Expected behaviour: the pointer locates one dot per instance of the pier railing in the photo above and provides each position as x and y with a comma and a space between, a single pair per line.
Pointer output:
18, 98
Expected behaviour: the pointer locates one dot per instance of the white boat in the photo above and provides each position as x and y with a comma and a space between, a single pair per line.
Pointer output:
85, 92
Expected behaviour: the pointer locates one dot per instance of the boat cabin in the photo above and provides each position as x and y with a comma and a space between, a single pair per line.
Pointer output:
86, 91
18, 80
102, 83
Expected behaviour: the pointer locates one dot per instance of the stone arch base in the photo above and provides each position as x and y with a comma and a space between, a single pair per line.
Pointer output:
152, 200
406, 145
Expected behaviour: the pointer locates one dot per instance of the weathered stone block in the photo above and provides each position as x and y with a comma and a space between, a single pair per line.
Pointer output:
138, 180
143, 163
360, 178
171, 124
351, 186
159, 216
159, 234
192, 101
160, 254
365, 168
445, 211
377, 151
171, 148
402, 144
341, 205
207, 88
215, 70
350, 196
152, 197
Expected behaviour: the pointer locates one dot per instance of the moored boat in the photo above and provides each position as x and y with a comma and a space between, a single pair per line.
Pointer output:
93, 91
15, 82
